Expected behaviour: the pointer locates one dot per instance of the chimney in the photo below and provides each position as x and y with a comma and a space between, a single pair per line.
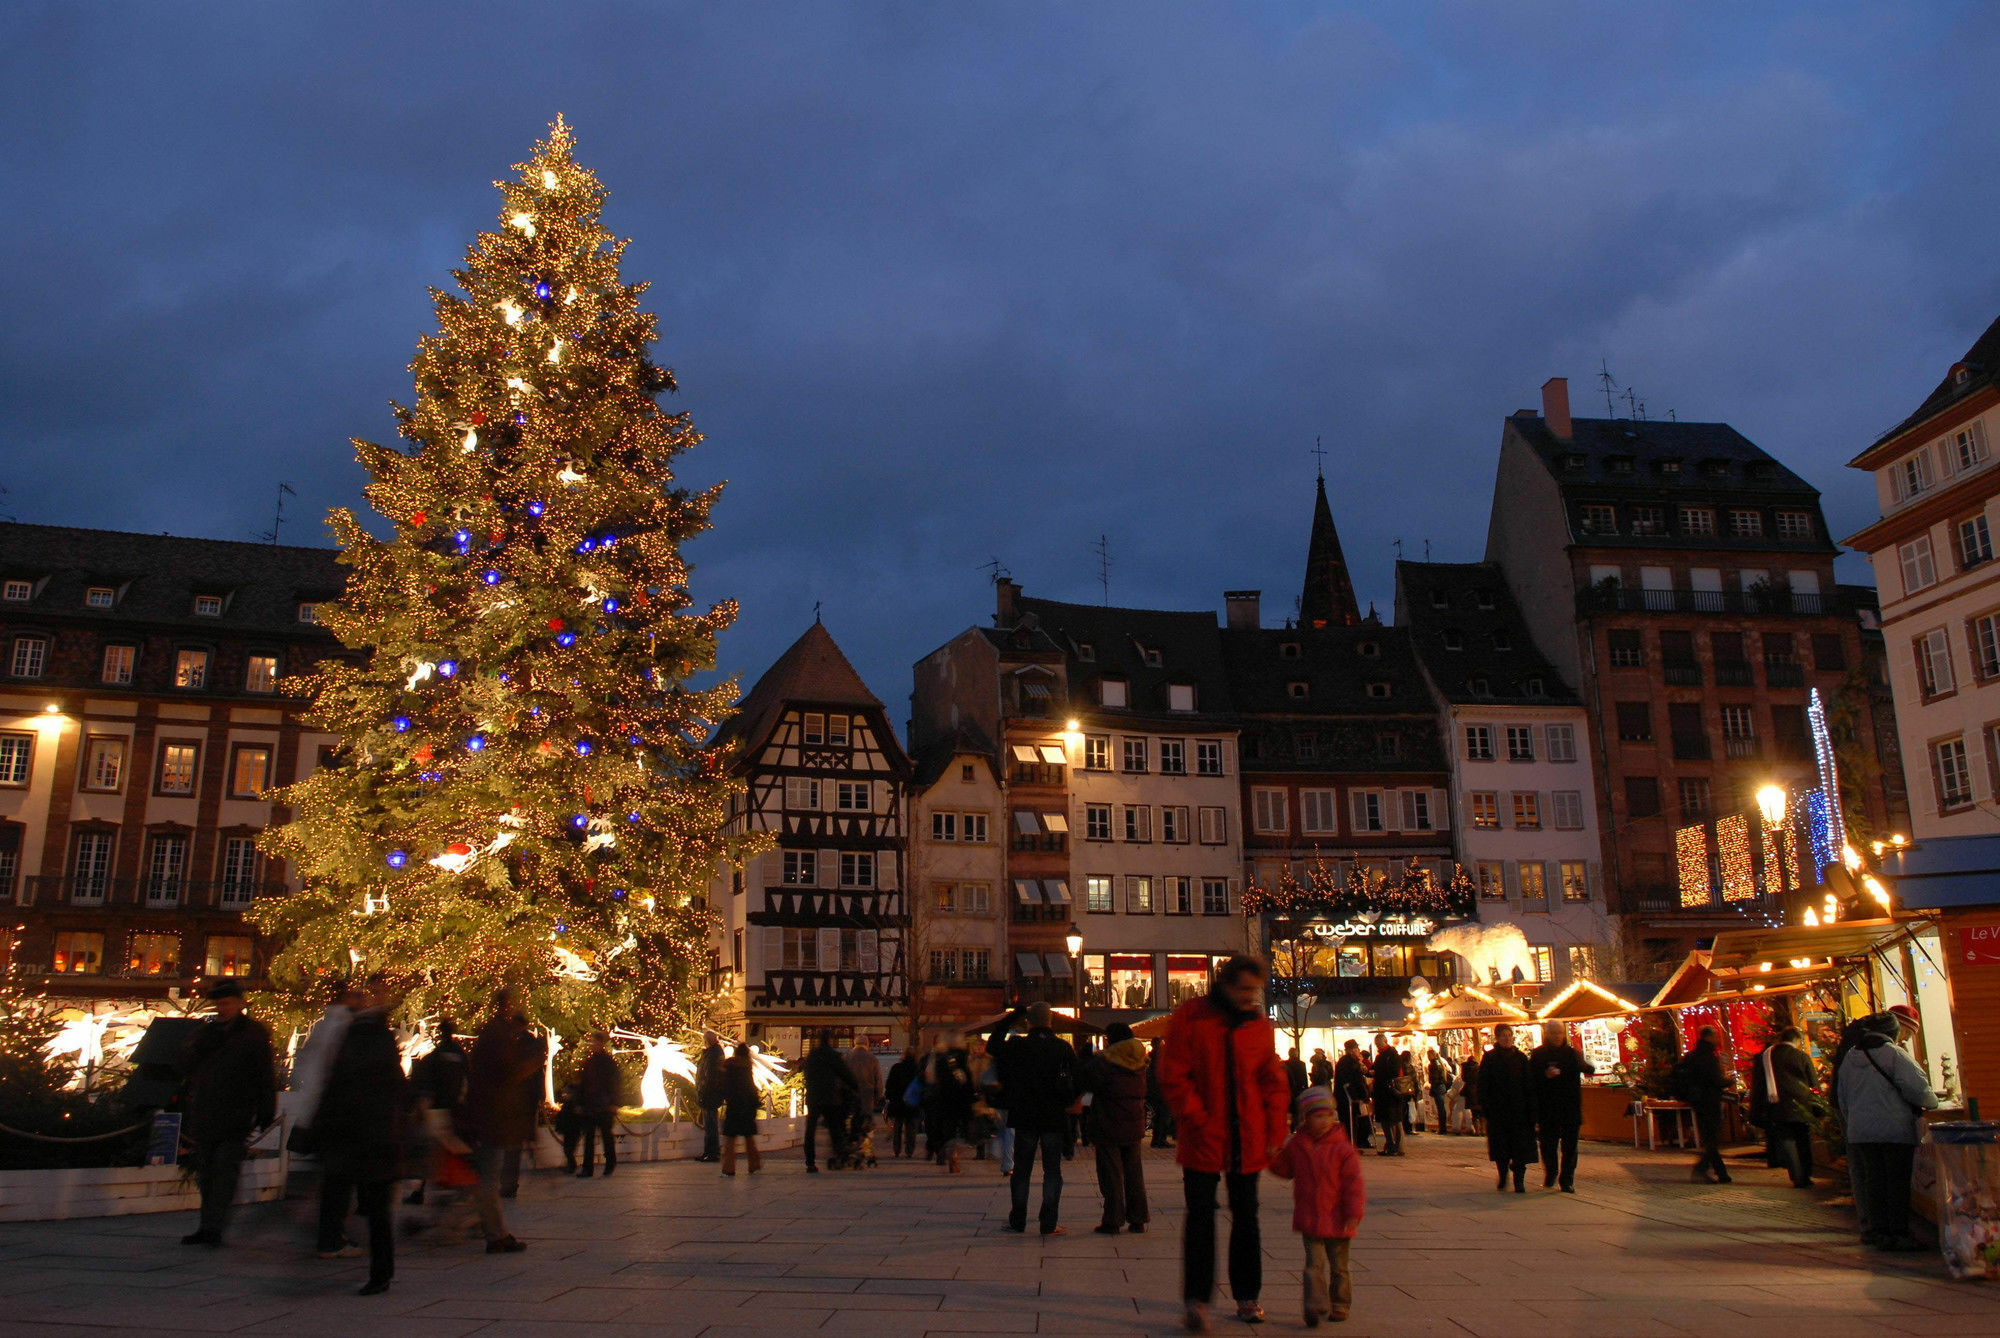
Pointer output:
1244, 613
1555, 406
1004, 594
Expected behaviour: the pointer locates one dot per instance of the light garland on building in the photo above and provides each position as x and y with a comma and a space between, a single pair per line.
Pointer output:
1732, 840
1691, 855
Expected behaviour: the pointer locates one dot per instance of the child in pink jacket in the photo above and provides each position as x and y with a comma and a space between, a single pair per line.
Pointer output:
1327, 1202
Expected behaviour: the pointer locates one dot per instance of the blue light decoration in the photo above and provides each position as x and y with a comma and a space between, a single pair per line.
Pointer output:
535, 711
401, 724
634, 740
631, 817
607, 541
1829, 773
446, 668
431, 776
618, 894
506, 677
580, 821
490, 576
463, 538
587, 545
1820, 833
583, 747
561, 928
610, 604
520, 420
535, 508
542, 290
475, 744
565, 638
397, 859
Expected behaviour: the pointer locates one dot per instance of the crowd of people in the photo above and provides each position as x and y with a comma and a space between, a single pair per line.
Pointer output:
1214, 1091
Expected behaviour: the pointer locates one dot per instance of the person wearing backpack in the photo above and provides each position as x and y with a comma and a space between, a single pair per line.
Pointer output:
1883, 1095
1698, 1080
1038, 1074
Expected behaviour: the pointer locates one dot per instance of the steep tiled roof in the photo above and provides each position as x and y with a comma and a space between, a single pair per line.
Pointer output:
1982, 365
1105, 642
813, 670
1327, 599
1337, 665
1596, 447
1462, 641
933, 760
158, 576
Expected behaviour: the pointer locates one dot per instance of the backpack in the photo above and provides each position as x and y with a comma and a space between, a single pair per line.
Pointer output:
1681, 1080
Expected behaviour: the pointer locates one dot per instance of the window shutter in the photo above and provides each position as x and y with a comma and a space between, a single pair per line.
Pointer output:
1441, 810
1235, 894
829, 949
868, 950
829, 868
1937, 780
774, 949
1358, 807
885, 871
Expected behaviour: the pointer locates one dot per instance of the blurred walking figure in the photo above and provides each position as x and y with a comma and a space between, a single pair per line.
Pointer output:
232, 1092
708, 1095
904, 1113
1115, 1077
948, 1092
506, 1063
830, 1092
1507, 1094
867, 1071
739, 1116
363, 1121
598, 1085
438, 1080
1156, 1101
309, 1070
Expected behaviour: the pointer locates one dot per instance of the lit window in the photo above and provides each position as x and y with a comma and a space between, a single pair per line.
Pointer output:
1575, 880
1527, 810
78, 954
1697, 520
1138, 895
1485, 809
208, 606
177, 767
104, 764
1492, 880
191, 669
1600, 519
250, 773
1545, 963
1532, 878
261, 674
118, 662
31, 654
17, 592
16, 752
99, 597
308, 613
1746, 524
153, 955
1097, 894
228, 955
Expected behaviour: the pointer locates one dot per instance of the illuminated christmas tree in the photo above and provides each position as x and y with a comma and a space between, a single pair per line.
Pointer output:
522, 794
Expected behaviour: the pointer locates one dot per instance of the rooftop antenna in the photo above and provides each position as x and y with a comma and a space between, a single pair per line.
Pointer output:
1634, 407
1399, 549
1604, 380
815, 613
270, 536
1103, 550
996, 570
1427, 550
1319, 453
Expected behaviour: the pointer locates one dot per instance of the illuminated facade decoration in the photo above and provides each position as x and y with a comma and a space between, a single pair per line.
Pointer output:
1819, 831
1691, 852
1774, 868
1732, 840
1790, 839
1829, 771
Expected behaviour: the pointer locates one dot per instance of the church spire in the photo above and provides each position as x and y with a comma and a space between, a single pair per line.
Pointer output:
1328, 598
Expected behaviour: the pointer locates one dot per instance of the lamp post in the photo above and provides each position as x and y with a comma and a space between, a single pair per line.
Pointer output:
1771, 803
1075, 945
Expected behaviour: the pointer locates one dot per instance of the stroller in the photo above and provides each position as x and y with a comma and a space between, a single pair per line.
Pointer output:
858, 1149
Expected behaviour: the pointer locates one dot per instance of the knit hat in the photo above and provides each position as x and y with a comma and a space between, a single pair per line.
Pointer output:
1312, 1099
1905, 1013
1116, 1032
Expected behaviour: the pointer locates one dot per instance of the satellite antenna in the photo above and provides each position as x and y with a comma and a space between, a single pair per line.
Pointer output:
1103, 550
270, 536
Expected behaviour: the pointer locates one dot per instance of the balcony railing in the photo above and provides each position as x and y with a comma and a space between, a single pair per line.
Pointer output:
1626, 599
147, 894
1691, 747
1733, 674
1732, 747
1681, 673
1784, 674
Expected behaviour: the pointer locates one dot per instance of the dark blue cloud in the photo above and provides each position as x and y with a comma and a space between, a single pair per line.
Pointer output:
948, 283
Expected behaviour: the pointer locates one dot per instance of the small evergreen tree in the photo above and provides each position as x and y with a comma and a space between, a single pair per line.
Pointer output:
522, 795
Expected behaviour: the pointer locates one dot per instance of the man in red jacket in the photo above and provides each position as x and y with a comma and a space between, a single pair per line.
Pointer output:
1230, 1100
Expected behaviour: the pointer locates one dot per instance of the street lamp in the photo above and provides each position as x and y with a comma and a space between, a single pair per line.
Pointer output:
1075, 945
1771, 802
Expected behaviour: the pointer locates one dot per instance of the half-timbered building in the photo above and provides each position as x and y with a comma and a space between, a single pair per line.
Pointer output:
815, 924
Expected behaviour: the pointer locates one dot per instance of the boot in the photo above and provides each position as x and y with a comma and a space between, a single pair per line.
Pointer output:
756, 1158
1520, 1180
1501, 1184
729, 1157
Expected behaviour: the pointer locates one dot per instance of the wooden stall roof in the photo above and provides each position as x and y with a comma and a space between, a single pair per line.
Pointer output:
1581, 1000
1737, 948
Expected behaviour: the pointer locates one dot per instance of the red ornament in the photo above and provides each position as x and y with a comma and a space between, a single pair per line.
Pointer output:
458, 848
555, 624
418, 518
639, 598
495, 536
423, 752
479, 420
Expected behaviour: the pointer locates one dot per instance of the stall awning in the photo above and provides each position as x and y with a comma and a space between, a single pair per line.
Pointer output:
1582, 999
1056, 822
1056, 891
1060, 963
1026, 823
1027, 891
1034, 689
1053, 754
1024, 752
1688, 984
1738, 948
1030, 963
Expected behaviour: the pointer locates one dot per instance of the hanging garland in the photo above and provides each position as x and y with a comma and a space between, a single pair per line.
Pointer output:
1416, 891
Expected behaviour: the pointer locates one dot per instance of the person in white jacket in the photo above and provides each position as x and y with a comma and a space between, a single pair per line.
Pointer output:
309, 1070
1883, 1096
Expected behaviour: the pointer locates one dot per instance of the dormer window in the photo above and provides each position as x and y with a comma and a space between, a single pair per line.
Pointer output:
1150, 655
1503, 640
1454, 639
1086, 652
1297, 691
1484, 599
1670, 466
1960, 374
1289, 650
99, 597
1600, 519
1111, 692
1478, 687
1368, 650
1715, 469
1440, 599
1534, 688
1571, 461
208, 606
1619, 464
309, 613
17, 592
1379, 690
1180, 696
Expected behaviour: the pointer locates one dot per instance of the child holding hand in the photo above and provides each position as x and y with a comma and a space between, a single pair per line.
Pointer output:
1327, 1203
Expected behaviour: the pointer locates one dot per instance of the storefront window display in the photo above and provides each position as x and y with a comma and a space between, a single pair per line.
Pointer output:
1187, 978
1118, 980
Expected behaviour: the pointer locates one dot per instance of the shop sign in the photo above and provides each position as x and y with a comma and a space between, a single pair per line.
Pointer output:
1389, 926
1979, 945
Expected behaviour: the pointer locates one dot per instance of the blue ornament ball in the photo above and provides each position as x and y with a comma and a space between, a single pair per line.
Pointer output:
397, 859
580, 821
566, 639
401, 724
446, 668
583, 747
490, 576
535, 508
476, 743
542, 290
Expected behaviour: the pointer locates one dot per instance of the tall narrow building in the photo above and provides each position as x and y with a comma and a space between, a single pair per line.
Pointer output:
1328, 597
814, 925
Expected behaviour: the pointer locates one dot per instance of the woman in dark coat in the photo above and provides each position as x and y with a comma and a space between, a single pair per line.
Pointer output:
362, 1125
1350, 1095
1392, 1067
1508, 1099
948, 1093
739, 1110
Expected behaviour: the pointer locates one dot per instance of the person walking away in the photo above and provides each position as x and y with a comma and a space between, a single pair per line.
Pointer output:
308, 1080
1328, 1200
363, 1121
1785, 1087
569, 1123
528, 1096
599, 1086
708, 1096
1320, 1071
1468, 1072
903, 1112
829, 1096
990, 1101
1392, 1086
1298, 1077
437, 1083
739, 1118
1699, 1080
1038, 1075
1156, 1101
1507, 1095
1115, 1078
867, 1071
1438, 1074
1883, 1095
949, 1089
1350, 1091
1557, 1071
506, 1057
231, 1077
1230, 1101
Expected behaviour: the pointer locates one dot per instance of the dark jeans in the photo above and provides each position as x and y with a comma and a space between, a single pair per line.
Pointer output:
1708, 1127
1791, 1148
1121, 1179
1881, 1175
711, 1133
835, 1119
1391, 1122
218, 1165
1050, 1143
903, 1135
510, 1171
336, 1201
1163, 1125
594, 1128
1246, 1245
1559, 1138
373, 1196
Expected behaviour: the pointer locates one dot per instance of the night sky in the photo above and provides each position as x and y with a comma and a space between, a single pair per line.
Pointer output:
954, 282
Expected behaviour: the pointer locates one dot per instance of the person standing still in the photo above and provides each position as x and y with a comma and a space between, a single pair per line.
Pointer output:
1115, 1077
1883, 1095
1786, 1081
232, 1084
1507, 1095
1391, 1088
1558, 1072
1298, 1078
1231, 1105
902, 1114
1328, 1200
363, 1122
1320, 1071
506, 1057
1038, 1074
708, 1095
740, 1103
598, 1088
1350, 1092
